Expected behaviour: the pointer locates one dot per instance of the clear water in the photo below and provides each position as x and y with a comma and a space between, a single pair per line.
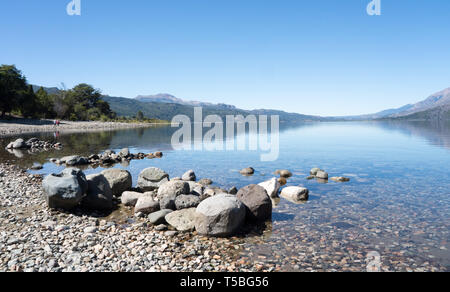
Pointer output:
397, 202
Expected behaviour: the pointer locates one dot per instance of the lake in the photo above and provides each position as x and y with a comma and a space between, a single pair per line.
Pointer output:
396, 204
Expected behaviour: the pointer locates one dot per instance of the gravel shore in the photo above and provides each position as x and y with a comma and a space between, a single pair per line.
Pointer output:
34, 238
17, 127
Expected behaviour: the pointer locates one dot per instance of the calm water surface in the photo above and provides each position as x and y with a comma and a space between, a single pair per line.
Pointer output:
397, 202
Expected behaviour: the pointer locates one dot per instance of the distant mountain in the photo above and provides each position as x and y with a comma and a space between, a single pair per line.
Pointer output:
436, 106
166, 111
167, 98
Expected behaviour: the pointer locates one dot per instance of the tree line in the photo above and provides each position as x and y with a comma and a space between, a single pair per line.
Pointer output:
81, 103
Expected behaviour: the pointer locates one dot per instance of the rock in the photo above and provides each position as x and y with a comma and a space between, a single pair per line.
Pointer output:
119, 180
161, 227
195, 188
205, 182
310, 177
284, 173
90, 229
247, 171
158, 217
99, 194
31, 141
189, 176
182, 220
19, 144
169, 191
151, 179
257, 201
37, 166
340, 179
187, 201
130, 198
125, 152
65, 190
322, 174
74, 160
295, 194
233, 191
158, 154
170, 233
272, 187
219, 216
314, 171
282, 181
146, 205
10, 145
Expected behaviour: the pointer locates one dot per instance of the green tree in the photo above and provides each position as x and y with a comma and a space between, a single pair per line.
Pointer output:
28, 105
140, 115
46, 104
12, 86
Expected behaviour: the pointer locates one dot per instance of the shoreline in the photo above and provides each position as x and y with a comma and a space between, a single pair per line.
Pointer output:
83, 242
16, 127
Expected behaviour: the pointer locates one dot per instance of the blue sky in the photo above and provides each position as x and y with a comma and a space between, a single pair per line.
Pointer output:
324, 57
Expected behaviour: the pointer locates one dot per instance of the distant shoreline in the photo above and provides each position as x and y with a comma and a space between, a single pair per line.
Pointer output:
27, 126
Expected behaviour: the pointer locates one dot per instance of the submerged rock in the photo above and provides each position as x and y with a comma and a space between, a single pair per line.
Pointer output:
247, 171
220, 216
340, 179
283, 173
295, 194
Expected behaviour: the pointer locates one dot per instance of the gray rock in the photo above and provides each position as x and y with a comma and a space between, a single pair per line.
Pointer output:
272, 187
19, 144
247, 171
151, 179
314, 171
125, 152
257, 201
170, 233
189, 176
90, 229
158, 217
130, 198
146, 205
205, 182
322, 174
169, 191
161, 227
295, 194
182, 220
74, 160
99, 194
119, 180
340, 179
65, 190
220, 216
187, 201
10, 145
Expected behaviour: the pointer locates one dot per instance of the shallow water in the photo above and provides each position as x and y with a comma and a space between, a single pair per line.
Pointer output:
397, 202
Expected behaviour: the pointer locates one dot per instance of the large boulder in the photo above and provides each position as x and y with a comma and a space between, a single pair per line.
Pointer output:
182, 220
146, 205
295, 194
119, 180
272, 187
195, 188
322, 175
189, 176
257, 201
159, 217
152, 178
65, 190
314, 171
169, 191
130, 198
220, 216
187, 201
99, 194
